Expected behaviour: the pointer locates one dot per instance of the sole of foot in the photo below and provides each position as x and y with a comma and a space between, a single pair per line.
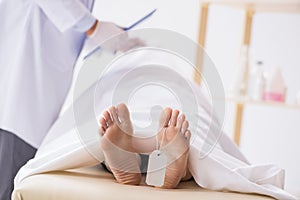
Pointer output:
174, 139
116, 131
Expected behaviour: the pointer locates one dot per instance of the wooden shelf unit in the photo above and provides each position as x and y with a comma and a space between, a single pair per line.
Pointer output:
250, 7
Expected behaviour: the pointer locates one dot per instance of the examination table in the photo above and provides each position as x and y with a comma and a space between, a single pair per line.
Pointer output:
96, 183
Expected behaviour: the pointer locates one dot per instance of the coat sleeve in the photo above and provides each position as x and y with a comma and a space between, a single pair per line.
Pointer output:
66, 14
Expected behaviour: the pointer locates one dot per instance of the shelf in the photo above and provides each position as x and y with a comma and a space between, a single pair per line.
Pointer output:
261, 102
289, 6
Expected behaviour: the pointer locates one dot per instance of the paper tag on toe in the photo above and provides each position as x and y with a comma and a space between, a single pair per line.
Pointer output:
156, 168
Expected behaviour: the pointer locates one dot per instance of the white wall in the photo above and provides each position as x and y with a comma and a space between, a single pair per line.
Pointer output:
174, 15
269, 134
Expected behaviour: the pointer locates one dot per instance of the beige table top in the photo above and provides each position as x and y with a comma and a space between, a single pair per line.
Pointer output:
96, 183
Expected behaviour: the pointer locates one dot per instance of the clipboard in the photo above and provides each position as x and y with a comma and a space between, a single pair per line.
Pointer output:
125, 29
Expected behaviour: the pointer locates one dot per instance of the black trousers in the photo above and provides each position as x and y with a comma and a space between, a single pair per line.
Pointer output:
14, 153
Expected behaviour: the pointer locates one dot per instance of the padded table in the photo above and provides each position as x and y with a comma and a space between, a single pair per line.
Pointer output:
95, 183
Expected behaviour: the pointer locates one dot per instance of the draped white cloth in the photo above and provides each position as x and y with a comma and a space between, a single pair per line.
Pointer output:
68, 146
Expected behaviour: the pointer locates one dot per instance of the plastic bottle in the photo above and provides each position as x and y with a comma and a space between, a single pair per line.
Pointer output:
239, 86
255, 78
275, 87
259, 87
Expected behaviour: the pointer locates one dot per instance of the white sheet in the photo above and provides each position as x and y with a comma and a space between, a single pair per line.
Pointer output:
224, 168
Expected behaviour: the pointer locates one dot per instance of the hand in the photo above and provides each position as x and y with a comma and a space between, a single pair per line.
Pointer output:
119, 40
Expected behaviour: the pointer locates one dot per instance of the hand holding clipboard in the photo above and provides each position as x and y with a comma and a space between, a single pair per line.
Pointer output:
125, 29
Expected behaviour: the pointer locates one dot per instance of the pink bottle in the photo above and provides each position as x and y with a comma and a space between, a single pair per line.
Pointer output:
275, 87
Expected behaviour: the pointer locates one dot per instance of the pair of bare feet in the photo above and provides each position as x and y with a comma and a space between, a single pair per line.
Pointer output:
123, 158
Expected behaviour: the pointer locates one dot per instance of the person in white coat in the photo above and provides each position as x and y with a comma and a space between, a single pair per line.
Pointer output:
40, 41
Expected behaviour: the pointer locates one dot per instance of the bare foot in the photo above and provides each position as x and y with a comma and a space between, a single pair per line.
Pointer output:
116, 144
175, 144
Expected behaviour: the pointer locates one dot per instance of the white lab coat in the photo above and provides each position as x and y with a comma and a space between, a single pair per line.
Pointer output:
38, 49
